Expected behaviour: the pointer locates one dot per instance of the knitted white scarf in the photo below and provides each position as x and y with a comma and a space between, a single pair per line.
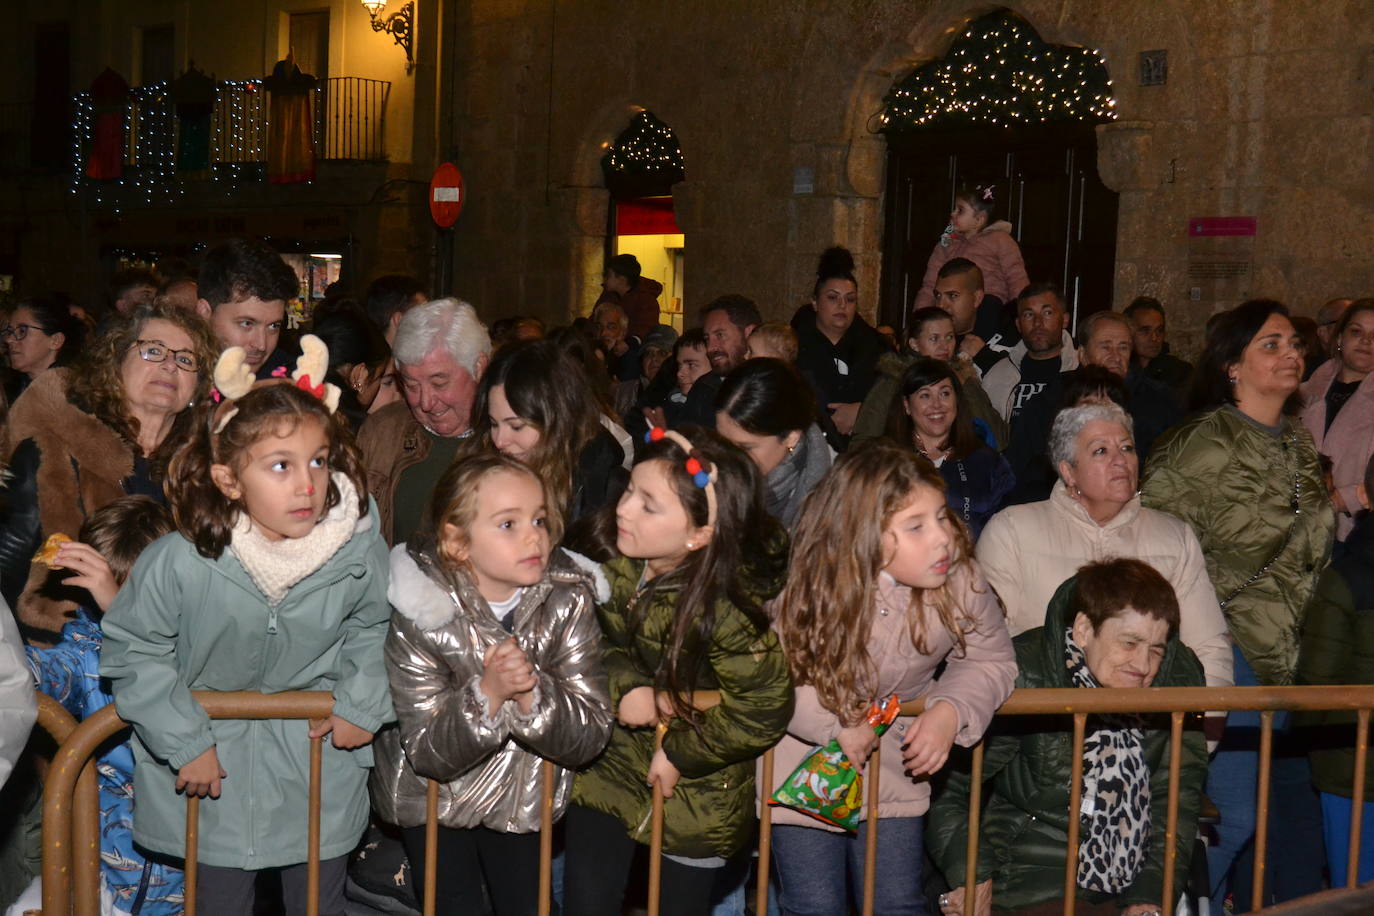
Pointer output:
275, 566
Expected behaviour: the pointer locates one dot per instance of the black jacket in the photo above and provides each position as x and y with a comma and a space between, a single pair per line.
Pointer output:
820, 362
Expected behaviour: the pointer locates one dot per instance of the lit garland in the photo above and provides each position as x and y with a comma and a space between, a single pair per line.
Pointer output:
238, 143
648, 148
1000, 71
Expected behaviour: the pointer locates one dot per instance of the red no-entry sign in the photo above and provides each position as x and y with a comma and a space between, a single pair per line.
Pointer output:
446, 195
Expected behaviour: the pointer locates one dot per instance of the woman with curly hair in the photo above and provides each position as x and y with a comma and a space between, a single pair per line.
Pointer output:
87, 435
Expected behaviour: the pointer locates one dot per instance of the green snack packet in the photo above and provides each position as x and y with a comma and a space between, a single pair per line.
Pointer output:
825, 785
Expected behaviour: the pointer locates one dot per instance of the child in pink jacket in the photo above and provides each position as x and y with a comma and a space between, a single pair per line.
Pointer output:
863, 624
972, 234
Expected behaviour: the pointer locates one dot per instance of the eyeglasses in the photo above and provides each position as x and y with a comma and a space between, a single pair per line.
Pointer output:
20, 331
155, 351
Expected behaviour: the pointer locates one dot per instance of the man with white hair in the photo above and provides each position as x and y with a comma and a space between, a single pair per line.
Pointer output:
441, 351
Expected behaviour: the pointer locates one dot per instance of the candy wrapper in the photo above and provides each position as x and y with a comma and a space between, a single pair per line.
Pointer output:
826, 786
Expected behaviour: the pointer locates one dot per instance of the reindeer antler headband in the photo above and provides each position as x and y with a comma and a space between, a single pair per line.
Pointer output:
234, 379
696, 466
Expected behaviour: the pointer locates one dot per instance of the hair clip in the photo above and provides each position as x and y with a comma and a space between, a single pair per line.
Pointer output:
279, 372
703, 479
987, 193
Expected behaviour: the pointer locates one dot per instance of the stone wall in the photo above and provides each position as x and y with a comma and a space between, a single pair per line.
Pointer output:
1266, 113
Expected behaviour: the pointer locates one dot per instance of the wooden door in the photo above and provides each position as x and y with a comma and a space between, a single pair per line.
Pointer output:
1047, 187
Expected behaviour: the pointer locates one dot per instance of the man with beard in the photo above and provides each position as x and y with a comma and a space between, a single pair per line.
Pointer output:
728, 321
1026, 386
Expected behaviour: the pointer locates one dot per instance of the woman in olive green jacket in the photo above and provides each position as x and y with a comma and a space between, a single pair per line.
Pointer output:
723, 642
1244, 474
1023, 835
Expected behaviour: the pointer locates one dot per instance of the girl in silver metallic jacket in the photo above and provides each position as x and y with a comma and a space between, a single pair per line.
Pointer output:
494, 658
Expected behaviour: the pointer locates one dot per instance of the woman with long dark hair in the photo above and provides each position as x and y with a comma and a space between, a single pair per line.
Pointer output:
935, 420
1244, 474
532, 404
766, 408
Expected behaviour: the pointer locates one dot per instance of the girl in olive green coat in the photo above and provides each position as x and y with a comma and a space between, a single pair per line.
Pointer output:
685, 614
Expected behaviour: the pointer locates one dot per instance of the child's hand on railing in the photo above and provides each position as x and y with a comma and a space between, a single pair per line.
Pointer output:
201, 776
858, 742
638, 708
926, 747
662, 772
347, 736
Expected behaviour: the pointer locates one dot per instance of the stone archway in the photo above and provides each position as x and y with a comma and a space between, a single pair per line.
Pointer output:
587, 201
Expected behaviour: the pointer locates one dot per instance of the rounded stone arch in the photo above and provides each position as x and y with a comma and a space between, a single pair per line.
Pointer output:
589, 199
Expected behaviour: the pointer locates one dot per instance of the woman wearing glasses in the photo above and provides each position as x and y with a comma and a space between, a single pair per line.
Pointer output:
40, 334
87, 435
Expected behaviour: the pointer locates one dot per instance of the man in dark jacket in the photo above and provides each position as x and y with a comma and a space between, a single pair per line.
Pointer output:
1152, 356
1104, 339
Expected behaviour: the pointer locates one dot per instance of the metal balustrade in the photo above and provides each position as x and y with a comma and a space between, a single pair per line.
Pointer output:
71, 835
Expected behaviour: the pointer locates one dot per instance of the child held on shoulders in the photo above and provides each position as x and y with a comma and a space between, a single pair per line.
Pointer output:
696, 558
494, 658
860, 625
99, 561
274, 581
973, 234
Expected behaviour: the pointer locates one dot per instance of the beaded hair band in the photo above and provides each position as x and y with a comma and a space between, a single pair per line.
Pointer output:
233, 379
695, 465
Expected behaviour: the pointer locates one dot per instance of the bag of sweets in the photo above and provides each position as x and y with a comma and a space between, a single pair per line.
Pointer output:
825, 785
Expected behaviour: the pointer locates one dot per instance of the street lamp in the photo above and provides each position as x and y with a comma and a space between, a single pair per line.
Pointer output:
399, 25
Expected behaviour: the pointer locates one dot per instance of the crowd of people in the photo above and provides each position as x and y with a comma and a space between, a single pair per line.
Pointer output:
503, 545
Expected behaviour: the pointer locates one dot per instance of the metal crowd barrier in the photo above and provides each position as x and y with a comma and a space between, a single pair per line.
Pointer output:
70, 813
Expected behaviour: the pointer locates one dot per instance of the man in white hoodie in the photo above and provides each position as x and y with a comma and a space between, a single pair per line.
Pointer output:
1026, 387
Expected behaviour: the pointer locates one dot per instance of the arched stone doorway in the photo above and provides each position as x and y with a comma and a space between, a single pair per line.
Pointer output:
641, 167
1002, 107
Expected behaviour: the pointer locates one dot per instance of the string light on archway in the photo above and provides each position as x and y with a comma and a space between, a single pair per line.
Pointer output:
1001, 72
646, 147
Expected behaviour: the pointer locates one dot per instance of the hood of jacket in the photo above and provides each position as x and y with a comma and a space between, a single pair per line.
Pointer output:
423, 591
1179, 665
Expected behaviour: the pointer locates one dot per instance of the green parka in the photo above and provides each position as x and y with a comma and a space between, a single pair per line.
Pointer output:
1023, 840
711, 811
1233, 481
1338, 648
184, 622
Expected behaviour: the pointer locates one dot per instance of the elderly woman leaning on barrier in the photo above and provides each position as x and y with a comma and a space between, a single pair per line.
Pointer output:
1094, 512
1114, 625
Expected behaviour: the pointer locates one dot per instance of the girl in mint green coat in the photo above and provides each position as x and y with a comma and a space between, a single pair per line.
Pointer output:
275, 580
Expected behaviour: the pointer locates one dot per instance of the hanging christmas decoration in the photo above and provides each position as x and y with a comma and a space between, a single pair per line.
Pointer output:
1000, 71
290, 129
193, 93
109, 100
645, 160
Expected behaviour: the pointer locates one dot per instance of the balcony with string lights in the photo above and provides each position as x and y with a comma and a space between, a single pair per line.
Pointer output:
199, 139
